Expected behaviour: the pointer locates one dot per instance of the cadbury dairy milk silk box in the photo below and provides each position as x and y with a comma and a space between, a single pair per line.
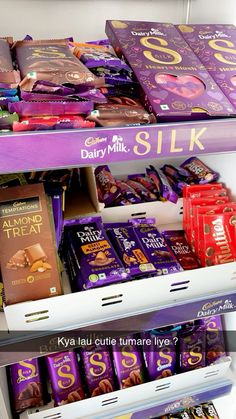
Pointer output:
65, 378
174, 82
26, 384
28, 257
215, 46
128, 362
98, 370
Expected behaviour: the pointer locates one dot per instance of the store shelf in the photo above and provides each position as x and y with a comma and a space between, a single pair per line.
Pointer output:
154, 398
48, 149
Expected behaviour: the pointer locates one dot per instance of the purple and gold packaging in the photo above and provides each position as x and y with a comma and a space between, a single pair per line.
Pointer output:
107, 188
95, 260
160, 356
199, 171
192, 346
26, 384
128, 363
175, 84
215, 46
156, 249
197, 412
129, 249
215, 345
98, 370
65, 378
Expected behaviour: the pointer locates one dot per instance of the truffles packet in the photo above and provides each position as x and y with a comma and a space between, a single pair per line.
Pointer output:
28, 255
98, 370
64, 374
26, 384
95, 261
129, 249
128, 363
199, 170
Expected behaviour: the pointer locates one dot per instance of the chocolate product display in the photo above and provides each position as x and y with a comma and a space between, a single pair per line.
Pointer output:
202, 411
28, 256
178, 244
166, 184
26, 384
95, 370
65, 378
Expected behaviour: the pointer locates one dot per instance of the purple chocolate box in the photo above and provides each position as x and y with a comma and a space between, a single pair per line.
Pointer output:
215, 46
160, 356
157, 251
65, 378
192, 347
175, 83
98, 370
215, 345
128, 362
26, 384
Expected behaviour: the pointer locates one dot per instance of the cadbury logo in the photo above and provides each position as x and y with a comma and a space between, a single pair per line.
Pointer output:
11, 208
216, 35
94, 140
152, 31
208, 306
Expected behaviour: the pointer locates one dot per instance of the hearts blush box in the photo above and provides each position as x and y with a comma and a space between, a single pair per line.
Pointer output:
175, 84
215, 46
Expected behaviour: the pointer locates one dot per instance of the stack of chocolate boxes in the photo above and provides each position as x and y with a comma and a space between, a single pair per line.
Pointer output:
132, 360
182, 72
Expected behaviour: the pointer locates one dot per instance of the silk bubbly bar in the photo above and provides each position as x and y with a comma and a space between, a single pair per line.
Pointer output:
175, 85
28, 257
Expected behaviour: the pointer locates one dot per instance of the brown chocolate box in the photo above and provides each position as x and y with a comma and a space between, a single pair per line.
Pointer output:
27, 249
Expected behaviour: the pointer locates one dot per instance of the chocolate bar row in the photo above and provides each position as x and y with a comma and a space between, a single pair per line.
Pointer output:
98, 255
136, 359
202, 411
156, 185
209, 218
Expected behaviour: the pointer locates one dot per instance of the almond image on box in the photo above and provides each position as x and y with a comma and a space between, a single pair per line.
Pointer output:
28, 254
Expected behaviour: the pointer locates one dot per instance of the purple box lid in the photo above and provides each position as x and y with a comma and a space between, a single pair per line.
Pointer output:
173, 79
215, 46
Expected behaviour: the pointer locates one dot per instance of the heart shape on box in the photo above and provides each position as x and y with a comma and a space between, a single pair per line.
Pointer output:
221, 76
186, 86
145, 72
232, 95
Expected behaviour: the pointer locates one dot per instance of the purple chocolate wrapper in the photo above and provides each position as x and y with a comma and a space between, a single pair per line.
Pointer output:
192, 347
156, 249
26, 384
128, 192
178, 244
98, 370
200, 172
50, 108
141, 190
128, 363
162, 184
167, 69
129, 249
160, 356
215, 345
95, 261
65, 378
93, 95
106, 185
